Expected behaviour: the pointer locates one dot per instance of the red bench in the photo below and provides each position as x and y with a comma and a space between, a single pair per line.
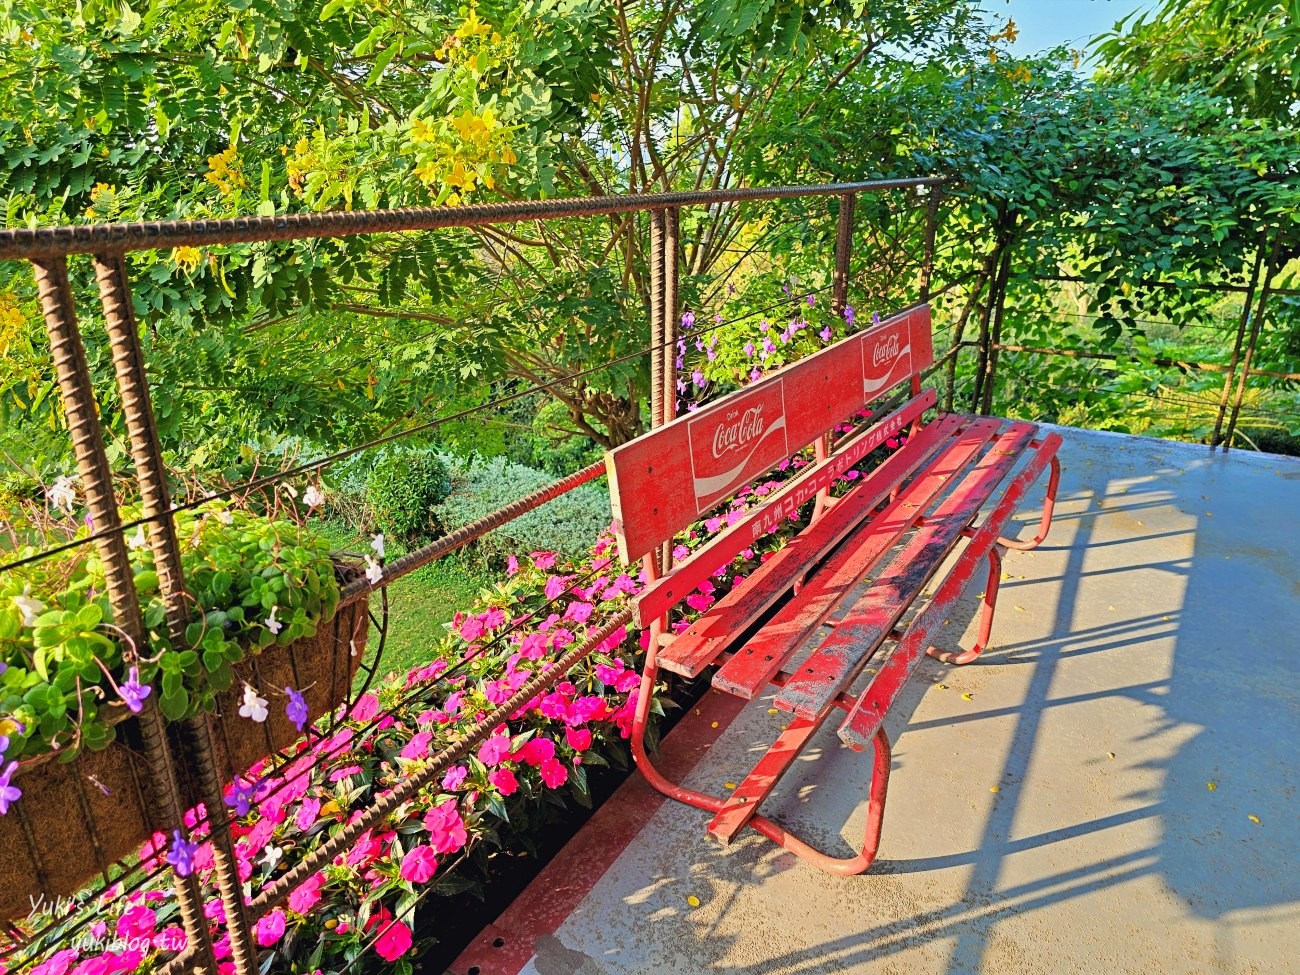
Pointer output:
858, 567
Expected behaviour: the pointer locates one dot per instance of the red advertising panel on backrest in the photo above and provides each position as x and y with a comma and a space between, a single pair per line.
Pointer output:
665, 479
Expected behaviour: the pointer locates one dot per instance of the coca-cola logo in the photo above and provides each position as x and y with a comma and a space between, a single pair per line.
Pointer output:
886, 350
733, 434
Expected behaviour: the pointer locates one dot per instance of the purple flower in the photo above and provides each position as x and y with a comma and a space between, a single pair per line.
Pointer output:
697, 378
90, 522
768, 345
762, 325
681, 362
181, 855
241, 797
811, 300
848, 314
825, 334
717, 317
681, 384
749, 350
731, 289
875, 318
688, 321
4, 746
133, 692
3, 666
296, 709
755, 374
8, 793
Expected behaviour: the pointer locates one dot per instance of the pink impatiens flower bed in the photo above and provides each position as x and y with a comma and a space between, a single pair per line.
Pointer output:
360, 909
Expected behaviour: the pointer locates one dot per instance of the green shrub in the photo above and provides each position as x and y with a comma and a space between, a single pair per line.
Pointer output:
402, 492
568, 525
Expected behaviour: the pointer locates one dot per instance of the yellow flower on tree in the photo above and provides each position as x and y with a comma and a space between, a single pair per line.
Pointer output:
187, 258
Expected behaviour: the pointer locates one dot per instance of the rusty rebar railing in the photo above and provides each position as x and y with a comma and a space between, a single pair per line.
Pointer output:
48, 249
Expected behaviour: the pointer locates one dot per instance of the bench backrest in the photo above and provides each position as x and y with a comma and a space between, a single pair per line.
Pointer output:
663, 480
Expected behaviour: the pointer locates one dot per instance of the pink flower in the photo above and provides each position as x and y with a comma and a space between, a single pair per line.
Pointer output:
171, 938
589, 708
492, 751
418, 746
343, 773
699, 601
579, 739
555, 585
892, 443
454, 778
136, 922
56, 964
307, 895
712, 524
367, 707
394, 937
554, 706
608, 674
579, 612
307, 814
512, 565
270, 929
536, 751
446, 828
553, 773
629, 680
419, 865
543, 560
504, 780
471, 629
494, 617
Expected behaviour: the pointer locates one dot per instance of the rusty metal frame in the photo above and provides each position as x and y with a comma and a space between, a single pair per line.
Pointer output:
47, 249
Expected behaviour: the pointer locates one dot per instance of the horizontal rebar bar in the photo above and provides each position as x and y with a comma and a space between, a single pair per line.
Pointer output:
117, 237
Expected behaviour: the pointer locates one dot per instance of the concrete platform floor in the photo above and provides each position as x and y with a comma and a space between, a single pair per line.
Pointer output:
1111, 789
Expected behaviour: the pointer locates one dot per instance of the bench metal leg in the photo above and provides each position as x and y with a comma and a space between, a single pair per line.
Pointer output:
773, 831
1045, 522
989, 607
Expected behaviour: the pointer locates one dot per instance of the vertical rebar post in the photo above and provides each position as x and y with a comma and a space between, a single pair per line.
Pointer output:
843, 254
151, 476
77, 393
671, 259
657, 350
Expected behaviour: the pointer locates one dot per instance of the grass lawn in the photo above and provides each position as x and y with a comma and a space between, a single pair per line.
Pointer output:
418, 604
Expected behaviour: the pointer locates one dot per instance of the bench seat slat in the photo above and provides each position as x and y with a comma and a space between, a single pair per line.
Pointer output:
839, 658
758, 785
723, 623
876, 699
748, 672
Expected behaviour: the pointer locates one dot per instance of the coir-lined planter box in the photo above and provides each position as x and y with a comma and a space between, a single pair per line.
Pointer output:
77, 819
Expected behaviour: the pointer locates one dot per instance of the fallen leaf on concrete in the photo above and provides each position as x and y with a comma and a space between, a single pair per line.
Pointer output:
714, 725
996, 788
693, 901
941, 687
728, 785
773, 711
1254, 819
1110, 755
1212, 786
967, 697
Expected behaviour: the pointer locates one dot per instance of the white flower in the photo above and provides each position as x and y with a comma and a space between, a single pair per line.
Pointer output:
30, 608
374, 571
377, 543
313, 497
137, 540
253, 707
63, 494
225, 517
272, 856
290, 490
273, 624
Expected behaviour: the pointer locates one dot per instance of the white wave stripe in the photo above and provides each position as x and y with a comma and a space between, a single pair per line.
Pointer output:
875, 385
706, 487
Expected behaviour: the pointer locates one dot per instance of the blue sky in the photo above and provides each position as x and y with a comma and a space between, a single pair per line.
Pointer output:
1047, 23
